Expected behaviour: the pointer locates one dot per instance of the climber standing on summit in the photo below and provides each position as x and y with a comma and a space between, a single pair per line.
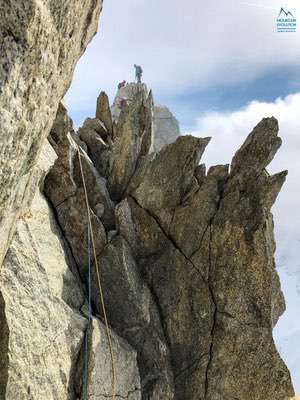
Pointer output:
138, 73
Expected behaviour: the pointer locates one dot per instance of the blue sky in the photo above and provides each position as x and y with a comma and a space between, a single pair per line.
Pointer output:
268, 87
190, 54
220, 67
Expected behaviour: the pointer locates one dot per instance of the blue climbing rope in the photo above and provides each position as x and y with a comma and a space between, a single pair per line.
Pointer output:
86, 344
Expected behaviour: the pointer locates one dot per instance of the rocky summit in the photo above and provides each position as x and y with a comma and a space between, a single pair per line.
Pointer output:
165, 126
184, 255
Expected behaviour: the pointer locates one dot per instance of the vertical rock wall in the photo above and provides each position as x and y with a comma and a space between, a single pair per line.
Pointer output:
41, 43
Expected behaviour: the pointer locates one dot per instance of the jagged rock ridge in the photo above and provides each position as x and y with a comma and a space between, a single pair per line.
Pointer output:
187, 257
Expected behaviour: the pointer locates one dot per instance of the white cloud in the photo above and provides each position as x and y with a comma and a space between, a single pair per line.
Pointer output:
183, 45
228, 131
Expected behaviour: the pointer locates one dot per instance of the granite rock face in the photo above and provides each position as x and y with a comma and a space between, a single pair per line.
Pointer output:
98, 384
103, 112
186, 257
132, 140
42, 326
165, 126
127, 93
124, 287
41, 298
41, 43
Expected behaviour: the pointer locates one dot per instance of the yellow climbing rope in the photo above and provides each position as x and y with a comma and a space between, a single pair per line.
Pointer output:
98, 277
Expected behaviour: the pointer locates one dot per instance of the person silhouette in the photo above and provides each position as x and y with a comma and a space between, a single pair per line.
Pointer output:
121, 84
138, 73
